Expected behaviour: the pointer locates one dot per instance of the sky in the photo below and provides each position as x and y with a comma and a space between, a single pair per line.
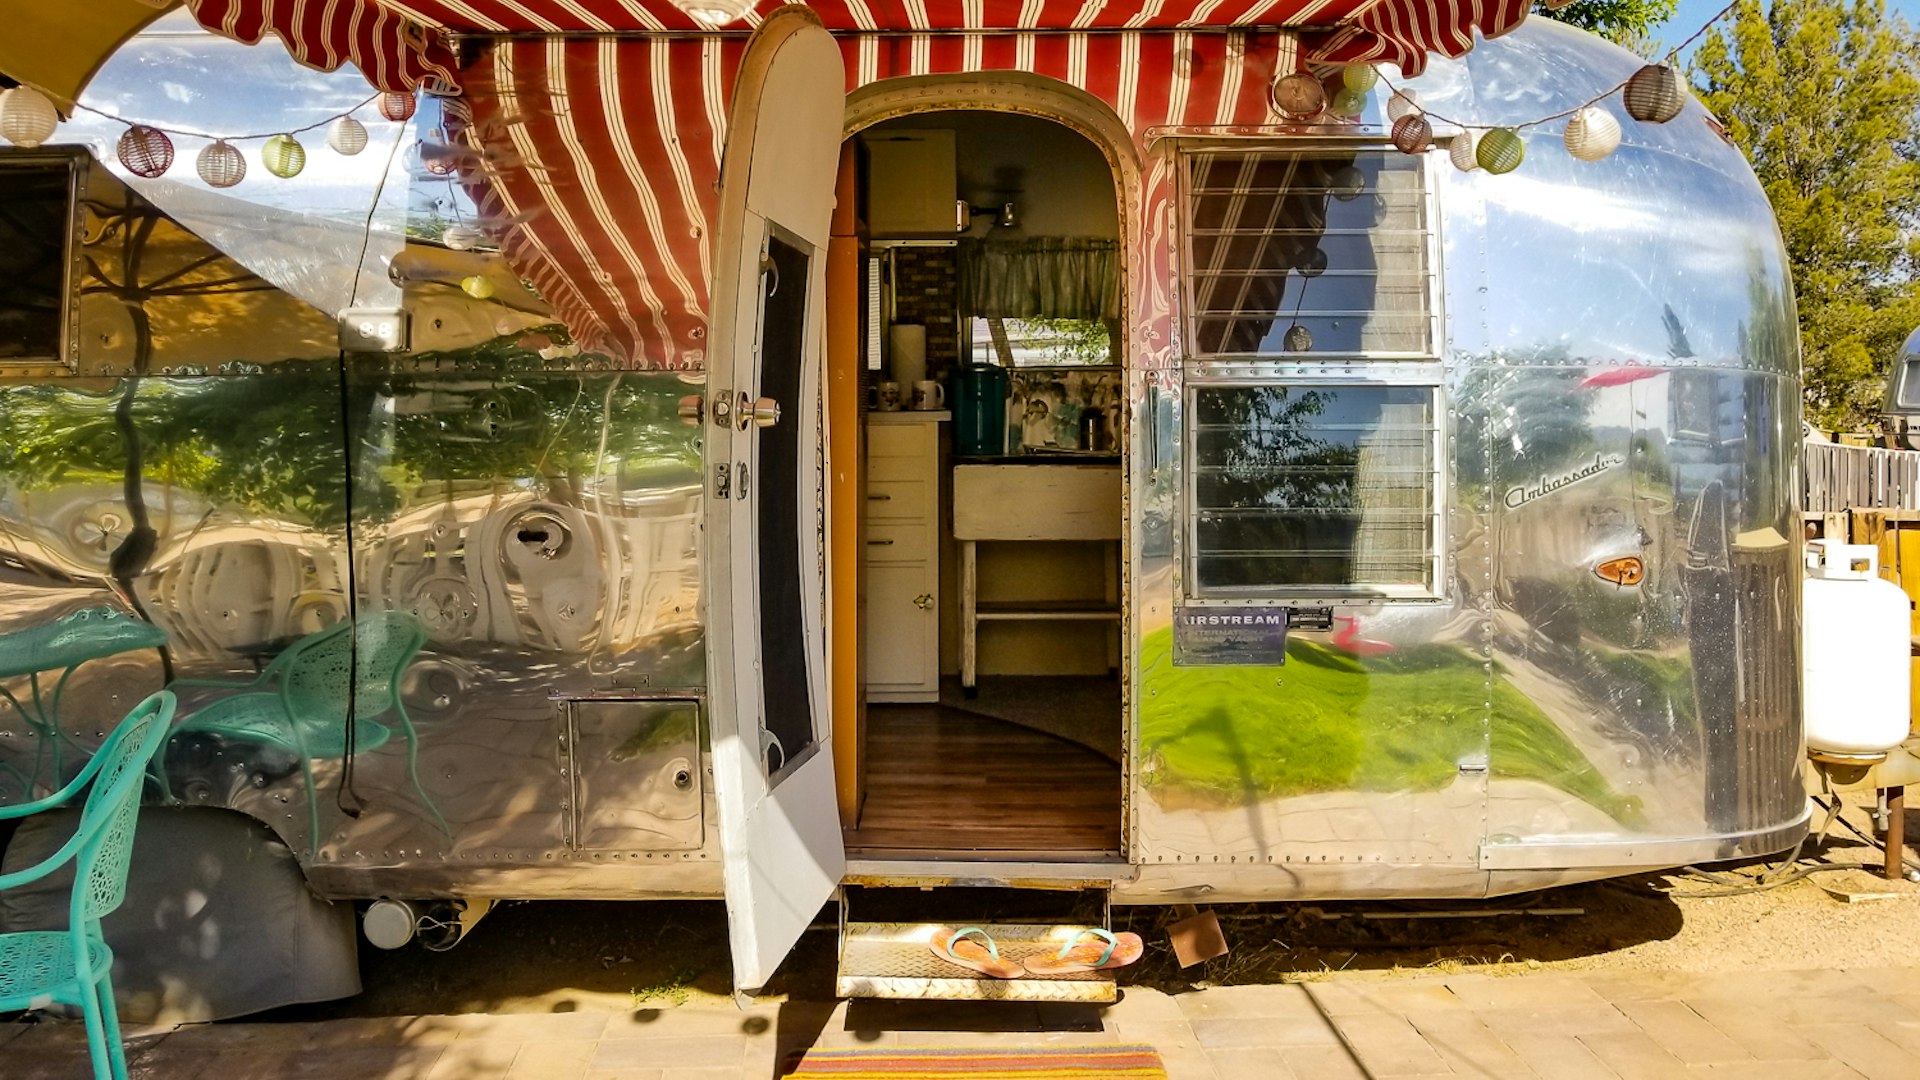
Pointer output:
1692, 14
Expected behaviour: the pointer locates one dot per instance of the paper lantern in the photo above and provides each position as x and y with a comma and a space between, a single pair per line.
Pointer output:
437, 158
396, 106
283, 156
1311, 262
477, 287
1403, 103
1654, 94
461, 237
347, 136
714, 12
27, 118
1500, 151
1298, 339
1463, 152
145, 151
1349, 102
220, 165
1361, 77
1412, 134
1299, 95
1592, 133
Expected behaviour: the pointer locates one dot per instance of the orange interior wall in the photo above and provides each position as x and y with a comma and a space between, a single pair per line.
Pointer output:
843, 486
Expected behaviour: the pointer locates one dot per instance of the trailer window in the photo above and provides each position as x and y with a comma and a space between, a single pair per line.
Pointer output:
1332, 241
36, 229
1304, 489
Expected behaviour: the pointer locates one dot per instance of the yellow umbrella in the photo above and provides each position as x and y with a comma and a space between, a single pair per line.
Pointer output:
57, 45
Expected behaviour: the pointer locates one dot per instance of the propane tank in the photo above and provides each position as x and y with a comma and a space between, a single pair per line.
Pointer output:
1855, 629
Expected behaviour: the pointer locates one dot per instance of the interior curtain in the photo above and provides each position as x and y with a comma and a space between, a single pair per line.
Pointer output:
1049, 277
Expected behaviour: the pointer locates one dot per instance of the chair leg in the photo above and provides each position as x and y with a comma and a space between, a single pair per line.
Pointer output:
313, 804
413, 768
105, 1056
110, 1014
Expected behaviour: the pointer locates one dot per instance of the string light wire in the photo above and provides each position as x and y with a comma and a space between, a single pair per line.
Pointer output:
191, 134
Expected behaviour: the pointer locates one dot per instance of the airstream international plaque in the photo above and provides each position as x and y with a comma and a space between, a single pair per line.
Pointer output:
1238, 635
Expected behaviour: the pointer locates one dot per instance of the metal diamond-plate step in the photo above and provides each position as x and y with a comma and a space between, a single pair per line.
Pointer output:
896, 960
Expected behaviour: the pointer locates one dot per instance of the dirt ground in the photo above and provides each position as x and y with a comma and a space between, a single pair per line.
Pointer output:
566, 956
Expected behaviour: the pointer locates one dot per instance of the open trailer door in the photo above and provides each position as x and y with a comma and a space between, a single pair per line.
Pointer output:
766, 522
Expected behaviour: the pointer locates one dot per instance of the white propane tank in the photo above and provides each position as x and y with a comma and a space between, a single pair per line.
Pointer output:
1855, 629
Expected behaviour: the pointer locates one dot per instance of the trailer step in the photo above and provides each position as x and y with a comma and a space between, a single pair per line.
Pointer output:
896, 960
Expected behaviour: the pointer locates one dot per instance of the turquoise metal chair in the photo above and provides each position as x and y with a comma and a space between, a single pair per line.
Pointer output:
299, 701
39, 968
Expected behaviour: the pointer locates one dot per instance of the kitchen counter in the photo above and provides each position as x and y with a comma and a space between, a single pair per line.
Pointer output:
1040, 459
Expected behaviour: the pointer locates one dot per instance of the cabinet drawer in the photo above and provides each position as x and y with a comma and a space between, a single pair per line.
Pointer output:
899, 541
902, 439
901, 468
899, 500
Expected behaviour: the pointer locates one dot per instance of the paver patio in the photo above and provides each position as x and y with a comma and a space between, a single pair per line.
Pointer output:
1862, 1022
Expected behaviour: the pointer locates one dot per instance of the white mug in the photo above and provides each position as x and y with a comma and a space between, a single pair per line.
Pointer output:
929, 395
889, 397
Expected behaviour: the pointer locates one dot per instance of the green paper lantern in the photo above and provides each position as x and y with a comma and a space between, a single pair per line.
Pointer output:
1361, 77
1500, 151
1349, 102
283, 156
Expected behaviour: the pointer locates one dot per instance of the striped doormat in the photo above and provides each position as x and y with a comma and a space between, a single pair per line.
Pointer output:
1007, 1063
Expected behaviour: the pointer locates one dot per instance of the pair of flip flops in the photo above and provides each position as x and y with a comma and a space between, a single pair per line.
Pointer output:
1091, 949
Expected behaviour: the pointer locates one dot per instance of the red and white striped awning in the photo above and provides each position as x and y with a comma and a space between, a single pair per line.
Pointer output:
401, 43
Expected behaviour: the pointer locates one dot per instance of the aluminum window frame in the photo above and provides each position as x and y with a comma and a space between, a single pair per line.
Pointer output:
1185, 155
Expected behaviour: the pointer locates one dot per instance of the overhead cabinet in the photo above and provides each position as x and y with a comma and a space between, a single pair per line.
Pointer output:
913, 184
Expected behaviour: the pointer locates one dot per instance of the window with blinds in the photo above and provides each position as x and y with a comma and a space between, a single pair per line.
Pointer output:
1310, 489
1334, 242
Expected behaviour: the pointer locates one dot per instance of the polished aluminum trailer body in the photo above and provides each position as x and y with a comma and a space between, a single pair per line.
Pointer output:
1609, 371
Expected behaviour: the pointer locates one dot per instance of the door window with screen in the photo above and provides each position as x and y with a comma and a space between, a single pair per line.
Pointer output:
1317, 251
1306, 489
36, 232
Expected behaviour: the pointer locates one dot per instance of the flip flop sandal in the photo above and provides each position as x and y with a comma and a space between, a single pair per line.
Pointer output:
974, 949
1077, 955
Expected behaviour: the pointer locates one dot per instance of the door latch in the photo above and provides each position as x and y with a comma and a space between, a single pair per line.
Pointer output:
741, 491
722, 408
722, 481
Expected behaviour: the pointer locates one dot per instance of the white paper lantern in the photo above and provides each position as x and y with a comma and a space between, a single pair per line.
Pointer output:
460, 237
347, 136
220, 165
1464, 152
1592, 133
1402, 104
27, 118
714, 12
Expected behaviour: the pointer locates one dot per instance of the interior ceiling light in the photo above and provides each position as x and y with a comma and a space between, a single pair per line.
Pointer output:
714, 12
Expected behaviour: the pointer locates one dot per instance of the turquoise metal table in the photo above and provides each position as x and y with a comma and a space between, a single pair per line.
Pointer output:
63, 645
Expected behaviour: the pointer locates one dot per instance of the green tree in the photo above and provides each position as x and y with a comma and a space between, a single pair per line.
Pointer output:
1628, 23
1823, 97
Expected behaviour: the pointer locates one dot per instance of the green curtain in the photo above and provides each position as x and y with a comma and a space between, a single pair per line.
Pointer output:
1050, 277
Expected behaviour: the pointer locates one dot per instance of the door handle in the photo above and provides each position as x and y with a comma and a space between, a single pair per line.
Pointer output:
692, 409
924, 601
765, 412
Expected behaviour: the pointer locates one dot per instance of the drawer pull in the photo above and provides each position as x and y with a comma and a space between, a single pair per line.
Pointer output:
879, 498
878, 543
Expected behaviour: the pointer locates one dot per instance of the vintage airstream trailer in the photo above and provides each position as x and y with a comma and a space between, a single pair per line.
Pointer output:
1436, 537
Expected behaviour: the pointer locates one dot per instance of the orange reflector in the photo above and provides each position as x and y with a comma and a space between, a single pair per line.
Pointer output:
1626, 571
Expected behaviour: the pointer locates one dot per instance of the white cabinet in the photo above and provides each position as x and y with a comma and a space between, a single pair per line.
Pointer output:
913, 179
902, 628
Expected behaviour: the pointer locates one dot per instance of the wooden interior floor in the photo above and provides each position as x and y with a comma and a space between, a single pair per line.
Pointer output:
940, 779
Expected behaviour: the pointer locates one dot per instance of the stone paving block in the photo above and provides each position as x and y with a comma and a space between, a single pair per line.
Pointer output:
1580, 1020
1754, 1025
1191, 1063
476, 1059
1228, 1002
1559, 1057
1863, 1049
553, 1059
1905, 1035
1250, 1065
1801, 983
1548, 991
1389, 1046
1140, 1003
624, 1074
1657, 985
1156, 1033
670, 1052
523, 1026
1827, 1069
1856, 1007
1888, 980
1238, 1033
1634, 1056
1468, 1046
1322, 1062
700, 1074
1683, 1033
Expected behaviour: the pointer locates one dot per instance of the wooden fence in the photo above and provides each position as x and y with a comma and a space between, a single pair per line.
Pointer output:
1843, 478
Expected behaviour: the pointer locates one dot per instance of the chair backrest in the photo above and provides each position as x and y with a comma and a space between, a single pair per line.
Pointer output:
315, 672
113, 806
